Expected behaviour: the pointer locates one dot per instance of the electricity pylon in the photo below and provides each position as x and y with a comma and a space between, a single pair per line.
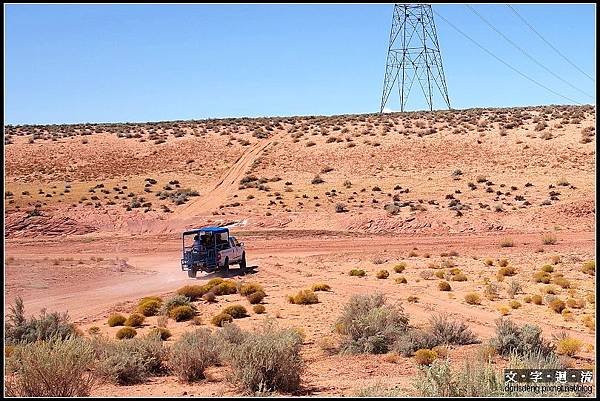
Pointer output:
414, 54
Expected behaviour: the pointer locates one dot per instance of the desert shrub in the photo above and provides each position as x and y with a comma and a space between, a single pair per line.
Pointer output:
161, 332
135, 320
527, 299
510, 338
412, 299
209, 297
503, 310
412, 253
503, 262
129, 362
507, 243
94, 330
227, 287
321, 287
250, 288
425, 356
116, 319
514, 304
268, 360
488, 262
256, 297
258, 309
19, 328
491, 291
542, 277
507, 271
220, 319
173, 302
382, 274
548, 268
151, 298
192, 353
214, 281
369, 325
400, 267
55, 368
193, 292
569, 346
125, 332
557, 305
149, 307
303, 297
446, 331
459, 277
182, 313
401, 280
473, 298
514, 288
562, 282
439, 274
589, 267
444, 286
589, 322
574, 303
357, 272
536, 299
236, 311
549, 239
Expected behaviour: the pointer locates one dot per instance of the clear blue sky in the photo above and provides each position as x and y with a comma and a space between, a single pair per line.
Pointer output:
116, 63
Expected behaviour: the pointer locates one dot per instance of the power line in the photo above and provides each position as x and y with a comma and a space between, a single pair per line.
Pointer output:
548, 43
504, 62
527, 54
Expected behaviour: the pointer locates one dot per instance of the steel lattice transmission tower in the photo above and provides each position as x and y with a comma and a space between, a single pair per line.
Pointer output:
414, 54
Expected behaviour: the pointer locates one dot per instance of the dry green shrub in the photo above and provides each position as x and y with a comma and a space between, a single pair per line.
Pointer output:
440, 274
268, 360
473, 298
116, 319
459, 277
161, 332
401, 280
258, 309
542, 277
182, 313
557, 305
256, 297
369, 325
125, 333
220, 319
507, 271
321, 287
193, 292
491, 291
382, 274
149, 308
514, 288
192, 353
575, 303
135, 320
400, 267
357, 273
511, 338
562, 282
514, 304
548, 268
55, 368
303, 297
227, 287
209, 297
250, 288
173, 302
536, 299
569, 346
425, 356
589, 267
444, 286
236, 311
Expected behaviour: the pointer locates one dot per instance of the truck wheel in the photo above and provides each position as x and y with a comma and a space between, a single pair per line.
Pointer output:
192, 273
225, 268
243, 263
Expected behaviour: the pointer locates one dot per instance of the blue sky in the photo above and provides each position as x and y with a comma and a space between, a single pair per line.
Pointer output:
117, 63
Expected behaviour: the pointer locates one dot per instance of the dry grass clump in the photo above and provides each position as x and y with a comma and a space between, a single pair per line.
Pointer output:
236, 311
514, 304
173, 302
589, 322
256, 297
527, 299
193, 292
400, 267
555, 259
569, 346
589, 267
209, 297
160, 332
503, 310
59, 368
519, 340
135, 320
439, 274
557, 305
425, 356
473, 298
575, 303
548, 268
220, 319
192, 353
562, 282
249, 288
321, 287
227, 287
382, 274
488, 262
412, 299
149, 307
542, 277
400, 280
536, 299
444, 286
507, 271
549, 239
303, 297
126, 332
182, 313
258, 309
357, 273
459, 277
412, 253
503, 262
116, 319
507, 243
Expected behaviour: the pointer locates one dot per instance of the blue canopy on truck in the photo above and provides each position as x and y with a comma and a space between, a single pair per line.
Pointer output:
210, 229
